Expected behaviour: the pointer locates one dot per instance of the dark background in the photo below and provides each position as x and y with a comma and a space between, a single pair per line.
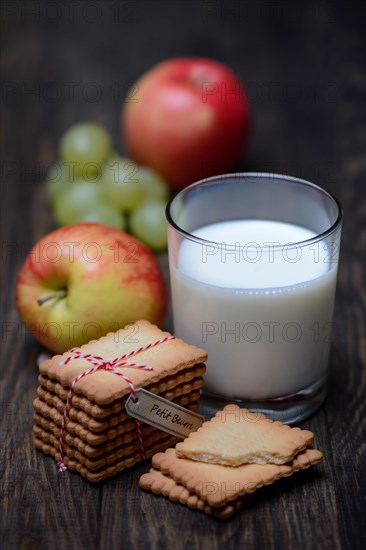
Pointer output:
303, 64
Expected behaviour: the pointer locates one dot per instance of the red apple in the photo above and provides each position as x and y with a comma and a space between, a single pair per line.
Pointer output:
85, 280
187, 118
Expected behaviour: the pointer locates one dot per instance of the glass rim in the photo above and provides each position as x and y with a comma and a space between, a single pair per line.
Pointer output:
259, 175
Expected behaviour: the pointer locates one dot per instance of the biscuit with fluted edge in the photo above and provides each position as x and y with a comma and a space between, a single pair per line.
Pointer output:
88, 450
99, 438
237, 436
218, 485
97, 425
111, 432
192, 375
162, 484
125, 433
100, 475
107, 459
103, 387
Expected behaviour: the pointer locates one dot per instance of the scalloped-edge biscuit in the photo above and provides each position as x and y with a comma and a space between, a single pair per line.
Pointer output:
110, 433
99, 450
100, 412
237, 436
104, 387
99, 425
108, 459
99, 438
162, 484
85, 448
217, 485
74, 433
100, 475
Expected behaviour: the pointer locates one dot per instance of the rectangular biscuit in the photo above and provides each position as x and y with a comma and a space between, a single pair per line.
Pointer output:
98, 425
106, 459
218, 485
100, 475
100, 412
103, 387
162, 484
236, 436
80, 415
89, 450
111, 432
93, 451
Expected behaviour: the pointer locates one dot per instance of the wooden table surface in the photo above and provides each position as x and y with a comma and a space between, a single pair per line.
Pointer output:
304, 67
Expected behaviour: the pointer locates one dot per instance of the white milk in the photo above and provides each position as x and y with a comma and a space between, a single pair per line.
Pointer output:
262, 311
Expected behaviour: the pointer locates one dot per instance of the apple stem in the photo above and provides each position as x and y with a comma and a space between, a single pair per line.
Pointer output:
55, 295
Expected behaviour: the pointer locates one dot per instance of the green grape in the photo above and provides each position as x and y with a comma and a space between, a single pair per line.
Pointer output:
86, 146
154, 185
57, 180
106, 214
147, 223
78, 199
120, 184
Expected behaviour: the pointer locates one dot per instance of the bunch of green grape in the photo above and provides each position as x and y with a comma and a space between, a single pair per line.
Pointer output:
92, 183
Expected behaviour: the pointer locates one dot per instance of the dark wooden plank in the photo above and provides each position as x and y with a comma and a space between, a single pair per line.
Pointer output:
304, 68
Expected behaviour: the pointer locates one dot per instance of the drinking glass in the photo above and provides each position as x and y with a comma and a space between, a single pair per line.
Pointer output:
253, 261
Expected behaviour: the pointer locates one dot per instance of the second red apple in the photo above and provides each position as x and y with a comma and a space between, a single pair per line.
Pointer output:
187, 118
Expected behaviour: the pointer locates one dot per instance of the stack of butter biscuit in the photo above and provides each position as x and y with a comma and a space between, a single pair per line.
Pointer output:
80, 415
217, 467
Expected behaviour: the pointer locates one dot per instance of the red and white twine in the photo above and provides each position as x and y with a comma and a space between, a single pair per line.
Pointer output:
110, 366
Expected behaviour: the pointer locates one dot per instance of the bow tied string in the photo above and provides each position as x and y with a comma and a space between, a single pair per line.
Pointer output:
99, 363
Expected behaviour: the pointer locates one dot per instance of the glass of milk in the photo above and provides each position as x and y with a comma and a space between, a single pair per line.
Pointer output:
253, 266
